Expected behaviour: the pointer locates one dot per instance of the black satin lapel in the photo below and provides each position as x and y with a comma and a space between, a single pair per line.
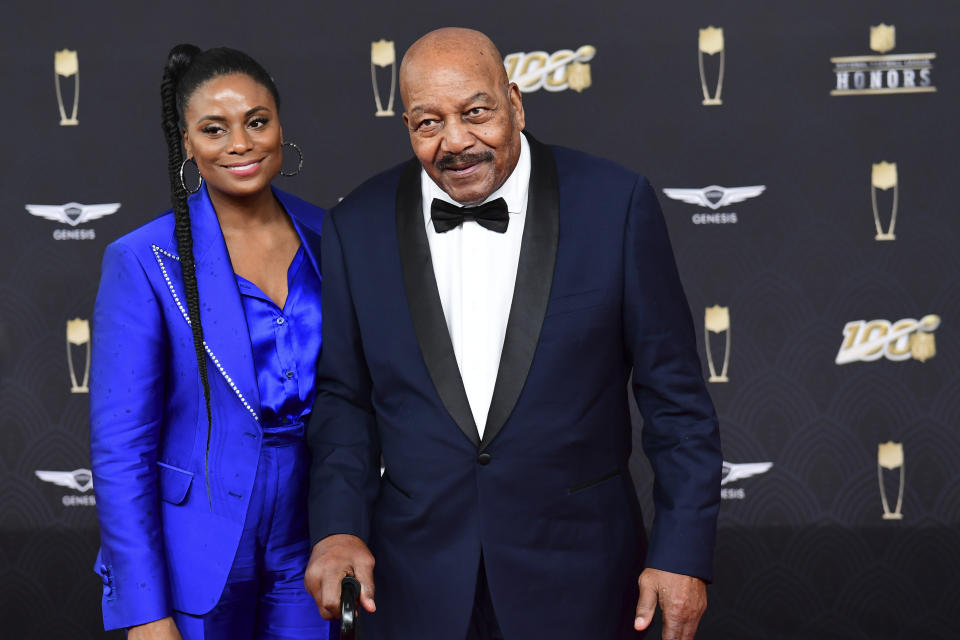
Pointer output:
424, 301
538, 253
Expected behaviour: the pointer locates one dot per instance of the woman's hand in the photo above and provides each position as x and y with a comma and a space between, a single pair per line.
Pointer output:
162, 629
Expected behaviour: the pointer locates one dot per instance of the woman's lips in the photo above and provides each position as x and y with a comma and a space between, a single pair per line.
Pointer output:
247, 169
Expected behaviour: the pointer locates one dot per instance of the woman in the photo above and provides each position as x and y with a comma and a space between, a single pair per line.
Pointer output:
206, 333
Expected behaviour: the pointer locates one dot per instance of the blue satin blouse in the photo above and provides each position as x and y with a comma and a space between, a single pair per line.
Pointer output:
286, 344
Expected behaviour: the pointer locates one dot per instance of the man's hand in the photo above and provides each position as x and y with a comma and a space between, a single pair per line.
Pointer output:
163, 629
683, 600
331, 560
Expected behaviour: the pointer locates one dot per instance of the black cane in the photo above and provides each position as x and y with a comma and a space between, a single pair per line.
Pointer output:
350, 609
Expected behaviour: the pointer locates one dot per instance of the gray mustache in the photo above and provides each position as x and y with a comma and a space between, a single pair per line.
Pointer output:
464, 158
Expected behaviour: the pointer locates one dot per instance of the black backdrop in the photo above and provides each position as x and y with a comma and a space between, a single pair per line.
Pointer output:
804, 550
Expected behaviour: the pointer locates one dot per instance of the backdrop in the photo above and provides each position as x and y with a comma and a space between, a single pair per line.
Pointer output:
804, 154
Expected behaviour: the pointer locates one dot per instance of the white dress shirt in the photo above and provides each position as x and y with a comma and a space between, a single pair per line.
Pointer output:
476, 270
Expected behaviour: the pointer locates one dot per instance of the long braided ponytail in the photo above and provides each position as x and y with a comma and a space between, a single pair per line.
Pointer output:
187, 68
178, 61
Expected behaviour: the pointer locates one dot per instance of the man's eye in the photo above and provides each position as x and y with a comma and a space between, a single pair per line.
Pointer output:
427, 124
476, 111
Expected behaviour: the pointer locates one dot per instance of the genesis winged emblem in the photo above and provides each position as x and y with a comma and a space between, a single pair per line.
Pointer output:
733, 472
715, 196
79, 480
72, 213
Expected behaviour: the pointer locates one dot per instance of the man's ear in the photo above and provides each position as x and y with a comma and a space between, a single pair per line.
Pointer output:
516, 102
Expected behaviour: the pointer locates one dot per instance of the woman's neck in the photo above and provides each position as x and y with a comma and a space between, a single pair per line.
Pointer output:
247, 212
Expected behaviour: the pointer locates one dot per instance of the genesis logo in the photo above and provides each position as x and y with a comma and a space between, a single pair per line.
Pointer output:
80, 480
734, 472
73, 214
714, 198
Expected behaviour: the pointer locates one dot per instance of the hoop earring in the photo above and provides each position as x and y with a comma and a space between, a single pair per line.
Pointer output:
299, 161
182, 183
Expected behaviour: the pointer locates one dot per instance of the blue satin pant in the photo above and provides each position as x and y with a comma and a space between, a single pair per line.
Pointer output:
264, 598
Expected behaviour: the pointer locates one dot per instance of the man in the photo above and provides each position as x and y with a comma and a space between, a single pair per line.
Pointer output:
484, 353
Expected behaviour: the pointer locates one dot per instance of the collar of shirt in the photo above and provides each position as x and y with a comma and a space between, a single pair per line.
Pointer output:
513, 191
248, 288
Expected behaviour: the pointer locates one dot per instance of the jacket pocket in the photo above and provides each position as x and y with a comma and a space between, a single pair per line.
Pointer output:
577, 302
174, 483
592, 483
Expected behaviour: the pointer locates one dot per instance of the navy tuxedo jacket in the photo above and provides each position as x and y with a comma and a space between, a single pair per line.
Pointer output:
545, 496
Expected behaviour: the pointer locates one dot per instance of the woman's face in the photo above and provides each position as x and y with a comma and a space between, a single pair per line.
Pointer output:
233, 132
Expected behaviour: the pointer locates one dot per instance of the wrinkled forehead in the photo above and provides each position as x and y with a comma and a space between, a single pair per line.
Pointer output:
451, 82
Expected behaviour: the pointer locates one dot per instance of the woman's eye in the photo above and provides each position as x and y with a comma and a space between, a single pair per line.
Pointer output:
259, 122
212, 129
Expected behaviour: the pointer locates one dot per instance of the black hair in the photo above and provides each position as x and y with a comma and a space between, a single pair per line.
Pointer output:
186, 69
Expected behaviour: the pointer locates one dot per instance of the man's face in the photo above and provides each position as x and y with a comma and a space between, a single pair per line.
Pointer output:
464, 126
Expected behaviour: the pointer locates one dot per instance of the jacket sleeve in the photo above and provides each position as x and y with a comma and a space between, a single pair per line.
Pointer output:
128, 371
681, 436
342, 434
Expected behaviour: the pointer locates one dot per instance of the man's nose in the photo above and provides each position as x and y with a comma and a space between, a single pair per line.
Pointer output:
456, 136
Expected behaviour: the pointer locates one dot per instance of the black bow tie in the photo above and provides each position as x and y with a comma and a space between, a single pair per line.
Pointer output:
489, 215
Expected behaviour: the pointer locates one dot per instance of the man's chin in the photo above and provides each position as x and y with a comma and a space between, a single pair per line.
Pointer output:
467, 195
467, 190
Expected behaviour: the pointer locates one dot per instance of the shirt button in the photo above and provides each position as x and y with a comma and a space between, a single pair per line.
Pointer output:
484, 458
289, 374
280, 320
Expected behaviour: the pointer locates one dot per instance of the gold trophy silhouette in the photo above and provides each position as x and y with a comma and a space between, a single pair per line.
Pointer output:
66, 64
890, 456
717, 320
78, 334
884, 177
383, 54
711, 43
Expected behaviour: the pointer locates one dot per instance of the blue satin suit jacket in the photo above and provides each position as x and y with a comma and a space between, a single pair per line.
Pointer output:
164, 542
545, 495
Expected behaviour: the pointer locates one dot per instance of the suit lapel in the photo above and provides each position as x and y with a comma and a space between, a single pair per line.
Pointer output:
224, 321
310, 238
426, 310
538, 253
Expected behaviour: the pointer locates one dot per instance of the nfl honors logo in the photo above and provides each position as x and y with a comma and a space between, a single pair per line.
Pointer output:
883, 74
